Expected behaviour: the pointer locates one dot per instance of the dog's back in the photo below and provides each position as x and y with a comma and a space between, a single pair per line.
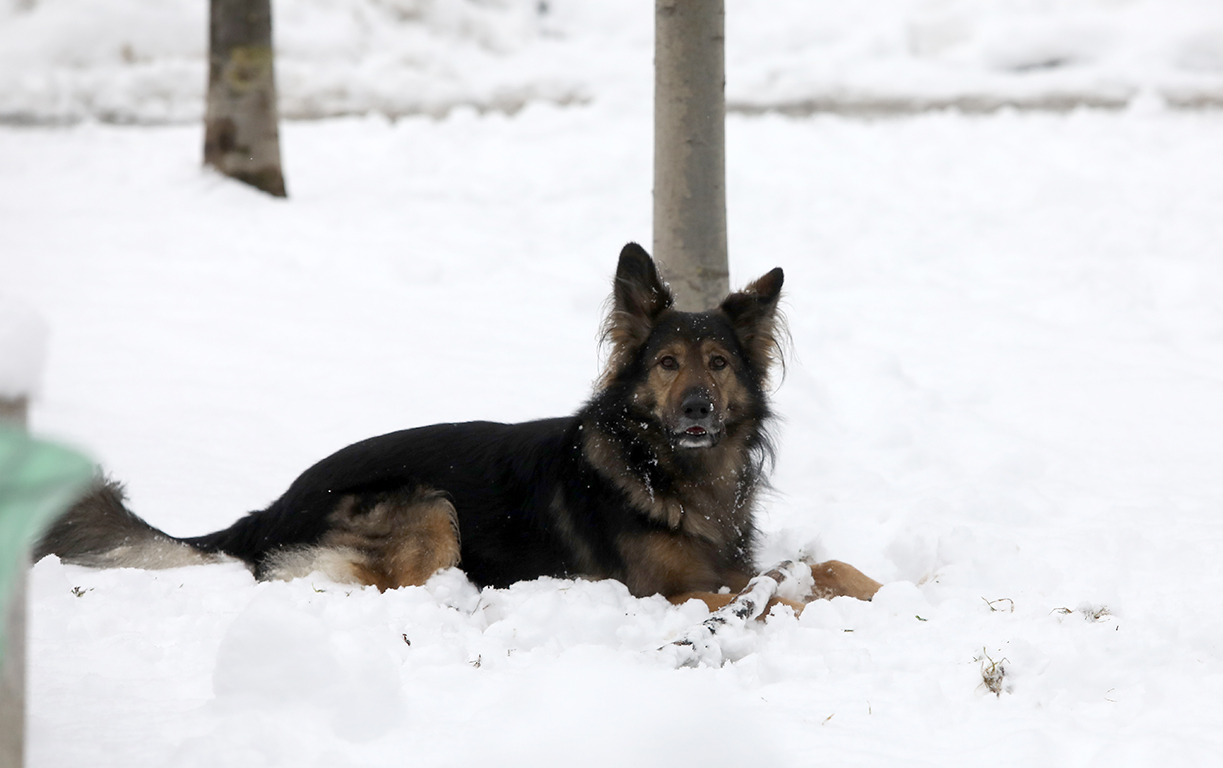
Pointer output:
500, 481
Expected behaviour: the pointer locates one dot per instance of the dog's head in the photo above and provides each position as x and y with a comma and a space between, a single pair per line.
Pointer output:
700, 375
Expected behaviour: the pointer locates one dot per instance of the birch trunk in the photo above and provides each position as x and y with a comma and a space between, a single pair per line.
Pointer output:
690, 150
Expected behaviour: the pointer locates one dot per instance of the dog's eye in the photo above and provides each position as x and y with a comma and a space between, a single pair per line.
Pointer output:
717, 362
668, 362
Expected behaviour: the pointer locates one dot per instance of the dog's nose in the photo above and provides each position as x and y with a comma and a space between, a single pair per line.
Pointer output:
697, 406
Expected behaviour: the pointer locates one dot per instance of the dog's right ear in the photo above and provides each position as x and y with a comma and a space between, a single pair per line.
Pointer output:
639, 298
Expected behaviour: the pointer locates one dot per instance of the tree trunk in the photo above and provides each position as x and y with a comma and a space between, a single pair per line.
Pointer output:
690, 150
241, 135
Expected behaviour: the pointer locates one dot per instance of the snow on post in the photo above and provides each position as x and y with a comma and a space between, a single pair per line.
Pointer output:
690, 150
23, 339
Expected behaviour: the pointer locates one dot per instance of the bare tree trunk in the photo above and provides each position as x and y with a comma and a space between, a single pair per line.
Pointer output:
241, 135
690, 150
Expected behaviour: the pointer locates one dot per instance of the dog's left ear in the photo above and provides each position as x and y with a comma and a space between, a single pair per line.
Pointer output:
753, 313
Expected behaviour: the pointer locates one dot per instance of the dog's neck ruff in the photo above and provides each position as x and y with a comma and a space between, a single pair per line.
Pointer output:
702, 492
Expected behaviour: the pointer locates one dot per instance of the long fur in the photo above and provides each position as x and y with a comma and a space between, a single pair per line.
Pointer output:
652, 482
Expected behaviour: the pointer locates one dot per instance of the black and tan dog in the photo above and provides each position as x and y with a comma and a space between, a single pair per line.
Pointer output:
653, 482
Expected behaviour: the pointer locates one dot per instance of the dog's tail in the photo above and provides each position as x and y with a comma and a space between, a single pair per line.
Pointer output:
99, 531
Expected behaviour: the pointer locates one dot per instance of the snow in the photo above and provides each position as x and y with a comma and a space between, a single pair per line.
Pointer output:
913, 54
23, 341
1004, 401
145, 60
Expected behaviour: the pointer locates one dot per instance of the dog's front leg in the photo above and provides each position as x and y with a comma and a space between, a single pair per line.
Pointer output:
831, 578
836, 579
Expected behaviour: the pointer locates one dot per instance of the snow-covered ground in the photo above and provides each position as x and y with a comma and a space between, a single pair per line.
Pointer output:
144, 60
1005, 400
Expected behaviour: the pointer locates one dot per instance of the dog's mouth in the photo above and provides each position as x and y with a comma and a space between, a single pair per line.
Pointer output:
697, 436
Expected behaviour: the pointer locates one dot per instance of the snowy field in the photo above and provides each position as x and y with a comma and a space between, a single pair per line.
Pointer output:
1005, 401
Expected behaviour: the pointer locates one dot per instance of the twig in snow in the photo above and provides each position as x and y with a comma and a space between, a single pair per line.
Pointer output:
700, 645
1092, 613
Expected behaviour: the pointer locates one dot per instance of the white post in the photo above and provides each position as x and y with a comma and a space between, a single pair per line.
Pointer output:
13, 411
23, 340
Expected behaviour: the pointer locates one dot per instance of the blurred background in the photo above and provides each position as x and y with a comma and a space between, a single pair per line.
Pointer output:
144, 61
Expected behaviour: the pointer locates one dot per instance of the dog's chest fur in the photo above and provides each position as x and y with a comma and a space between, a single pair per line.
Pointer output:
697, 531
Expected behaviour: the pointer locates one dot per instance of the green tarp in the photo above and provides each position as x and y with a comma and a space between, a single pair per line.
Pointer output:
37, 481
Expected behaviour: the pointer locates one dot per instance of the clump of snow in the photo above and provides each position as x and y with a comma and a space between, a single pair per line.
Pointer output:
144, 60
23, 349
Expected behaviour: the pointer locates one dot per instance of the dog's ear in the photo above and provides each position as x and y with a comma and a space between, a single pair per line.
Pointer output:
639, 298
757, 322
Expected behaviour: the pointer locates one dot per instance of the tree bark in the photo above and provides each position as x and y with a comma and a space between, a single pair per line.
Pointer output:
690, 150
241, 132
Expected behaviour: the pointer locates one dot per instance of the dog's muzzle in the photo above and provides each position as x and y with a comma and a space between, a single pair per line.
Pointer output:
699, 426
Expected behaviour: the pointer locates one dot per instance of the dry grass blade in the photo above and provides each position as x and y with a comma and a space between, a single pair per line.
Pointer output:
992, 673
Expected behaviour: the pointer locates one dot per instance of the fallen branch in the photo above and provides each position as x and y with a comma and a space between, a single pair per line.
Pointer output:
702, 644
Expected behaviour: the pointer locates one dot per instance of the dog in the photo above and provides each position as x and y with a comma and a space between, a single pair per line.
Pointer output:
653, 482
